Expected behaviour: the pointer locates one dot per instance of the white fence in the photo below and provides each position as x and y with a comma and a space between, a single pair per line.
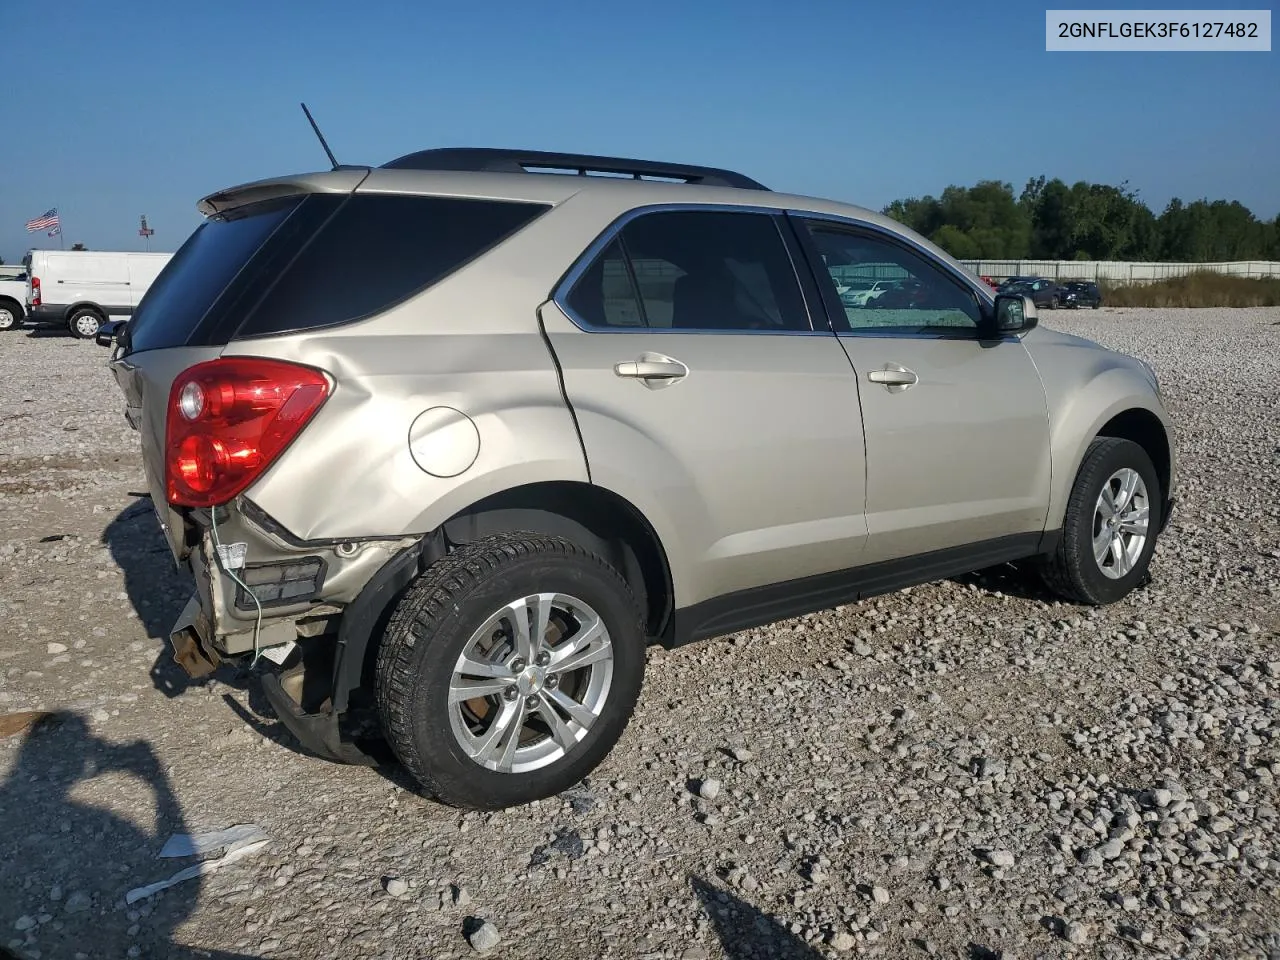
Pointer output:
1119, 271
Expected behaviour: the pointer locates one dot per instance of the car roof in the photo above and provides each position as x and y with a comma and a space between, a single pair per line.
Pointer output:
493, 175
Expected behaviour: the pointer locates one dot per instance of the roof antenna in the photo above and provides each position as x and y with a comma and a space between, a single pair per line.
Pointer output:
320, 136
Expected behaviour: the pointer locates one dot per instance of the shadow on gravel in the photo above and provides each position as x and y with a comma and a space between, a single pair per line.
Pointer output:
65, 865
746, 932
1021, 581
1011, 580
157, 588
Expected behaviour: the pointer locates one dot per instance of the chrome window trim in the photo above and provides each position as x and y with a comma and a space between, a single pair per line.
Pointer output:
560, 294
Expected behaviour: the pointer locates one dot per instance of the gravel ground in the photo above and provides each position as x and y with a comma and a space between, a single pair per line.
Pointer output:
967, 769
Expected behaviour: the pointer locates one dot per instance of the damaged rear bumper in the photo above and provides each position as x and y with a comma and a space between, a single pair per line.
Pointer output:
315, 635
318, 732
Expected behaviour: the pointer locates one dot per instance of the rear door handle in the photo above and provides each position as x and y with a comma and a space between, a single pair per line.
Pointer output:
653, 370
894, 375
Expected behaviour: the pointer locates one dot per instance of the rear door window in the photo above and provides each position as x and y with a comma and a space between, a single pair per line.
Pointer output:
726, 271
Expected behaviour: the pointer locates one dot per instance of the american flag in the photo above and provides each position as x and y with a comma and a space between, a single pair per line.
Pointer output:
43, 222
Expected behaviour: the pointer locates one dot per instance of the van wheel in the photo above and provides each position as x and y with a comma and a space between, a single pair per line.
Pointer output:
10, 315
84, 322
509, 670
1109, 530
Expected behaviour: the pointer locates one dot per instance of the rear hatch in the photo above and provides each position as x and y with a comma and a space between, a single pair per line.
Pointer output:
283, 256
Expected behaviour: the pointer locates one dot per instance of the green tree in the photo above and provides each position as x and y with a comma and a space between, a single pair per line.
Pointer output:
956, 242
982, 221
1084, 221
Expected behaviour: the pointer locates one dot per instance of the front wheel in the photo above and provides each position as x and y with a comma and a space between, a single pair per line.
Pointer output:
1109, 530
509, 670
84, 323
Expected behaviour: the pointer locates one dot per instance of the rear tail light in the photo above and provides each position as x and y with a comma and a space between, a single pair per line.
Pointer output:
35, 291
228, 420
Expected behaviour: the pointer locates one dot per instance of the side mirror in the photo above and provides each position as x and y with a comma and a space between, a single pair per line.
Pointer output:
109, 332
1015, 313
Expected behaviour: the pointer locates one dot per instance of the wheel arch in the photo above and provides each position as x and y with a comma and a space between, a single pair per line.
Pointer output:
1129, 418
84, 305
1144, 428
592, 516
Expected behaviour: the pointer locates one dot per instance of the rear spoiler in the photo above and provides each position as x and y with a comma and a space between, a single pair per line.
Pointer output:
342, 180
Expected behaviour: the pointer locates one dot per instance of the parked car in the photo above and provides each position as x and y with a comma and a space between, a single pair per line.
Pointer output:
860, 293
1009, 282
1045, 292
561, 417
1081, 293
82, 289
13, 296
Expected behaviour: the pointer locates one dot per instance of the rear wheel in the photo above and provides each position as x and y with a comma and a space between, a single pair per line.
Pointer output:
509, 670
84, 322
1109, 530
10, 315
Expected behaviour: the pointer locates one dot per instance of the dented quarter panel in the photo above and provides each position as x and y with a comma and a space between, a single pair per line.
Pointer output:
473, 346
1086, 386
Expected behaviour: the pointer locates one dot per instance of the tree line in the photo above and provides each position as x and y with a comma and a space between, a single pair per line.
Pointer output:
1084, 221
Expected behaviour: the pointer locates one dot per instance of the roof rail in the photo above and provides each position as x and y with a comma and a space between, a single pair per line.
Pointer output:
495, 160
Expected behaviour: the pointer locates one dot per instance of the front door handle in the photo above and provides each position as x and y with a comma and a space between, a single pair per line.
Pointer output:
653, 370
893, 376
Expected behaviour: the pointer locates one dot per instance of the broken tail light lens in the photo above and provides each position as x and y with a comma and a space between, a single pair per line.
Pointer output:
228, 420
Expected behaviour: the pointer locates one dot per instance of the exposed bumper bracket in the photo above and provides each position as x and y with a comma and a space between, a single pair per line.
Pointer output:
190, 651
318, 732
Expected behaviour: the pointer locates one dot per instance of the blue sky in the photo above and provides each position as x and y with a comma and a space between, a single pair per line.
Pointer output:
111, 110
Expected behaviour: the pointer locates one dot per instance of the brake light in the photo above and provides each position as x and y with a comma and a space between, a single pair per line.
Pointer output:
228, 419
35, 291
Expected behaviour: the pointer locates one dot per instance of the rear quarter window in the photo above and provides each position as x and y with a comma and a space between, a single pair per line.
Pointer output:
376, 251
302, 263
201, 273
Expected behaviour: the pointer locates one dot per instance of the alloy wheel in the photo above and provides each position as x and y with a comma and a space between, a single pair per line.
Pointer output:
1120, 520
530, 682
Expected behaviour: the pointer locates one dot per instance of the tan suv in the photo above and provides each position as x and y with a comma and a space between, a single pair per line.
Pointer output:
463, 433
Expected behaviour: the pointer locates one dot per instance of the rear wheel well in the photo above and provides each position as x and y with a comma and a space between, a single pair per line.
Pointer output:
13, 305
1145, 429
589, 515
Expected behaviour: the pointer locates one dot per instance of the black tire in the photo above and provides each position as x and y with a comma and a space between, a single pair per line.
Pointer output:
434, 622
1071, 571
11, 315
74, 321
1097, 305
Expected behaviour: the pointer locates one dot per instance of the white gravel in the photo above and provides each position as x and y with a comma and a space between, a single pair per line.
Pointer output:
962, 769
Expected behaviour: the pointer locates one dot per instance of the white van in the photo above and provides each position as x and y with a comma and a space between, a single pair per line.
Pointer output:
82, 289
